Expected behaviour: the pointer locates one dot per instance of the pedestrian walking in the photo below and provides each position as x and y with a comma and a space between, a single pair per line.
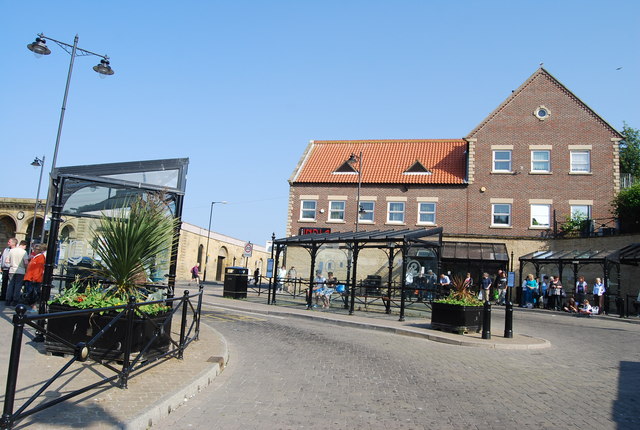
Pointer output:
195, 273
11, 243
598, 295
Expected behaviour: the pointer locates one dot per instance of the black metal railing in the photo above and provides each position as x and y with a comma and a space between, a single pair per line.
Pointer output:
87, 349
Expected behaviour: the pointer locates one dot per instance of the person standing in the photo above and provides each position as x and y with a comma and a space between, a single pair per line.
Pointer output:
282, 274
598, 295
445, 284
555, 293
11, 243
501, 285
485, 287
256, 276
33, 276
581, 290
530, 287
17, 261
292, 274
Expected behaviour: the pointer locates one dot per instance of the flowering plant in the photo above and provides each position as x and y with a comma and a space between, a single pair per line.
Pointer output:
460, 294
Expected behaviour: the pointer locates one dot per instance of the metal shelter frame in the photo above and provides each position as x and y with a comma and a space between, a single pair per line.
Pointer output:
390, 241
607, 259
125, 179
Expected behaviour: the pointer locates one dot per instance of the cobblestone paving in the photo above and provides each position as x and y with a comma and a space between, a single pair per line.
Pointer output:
286, 373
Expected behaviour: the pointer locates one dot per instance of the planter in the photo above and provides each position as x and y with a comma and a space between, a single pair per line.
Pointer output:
110, 346
456, 318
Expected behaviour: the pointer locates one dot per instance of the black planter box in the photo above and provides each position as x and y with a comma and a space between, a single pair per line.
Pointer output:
110, 346
456, 318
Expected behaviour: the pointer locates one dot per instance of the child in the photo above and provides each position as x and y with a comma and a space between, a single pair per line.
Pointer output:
585, 309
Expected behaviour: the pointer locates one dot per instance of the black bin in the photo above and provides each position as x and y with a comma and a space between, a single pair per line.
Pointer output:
235, 282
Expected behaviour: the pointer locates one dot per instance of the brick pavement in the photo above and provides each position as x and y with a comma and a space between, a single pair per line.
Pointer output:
152, 391
283, 370
291, 373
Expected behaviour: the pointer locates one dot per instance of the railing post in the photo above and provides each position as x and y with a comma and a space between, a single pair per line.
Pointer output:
183, 324
198, 313
14, 360
131, 310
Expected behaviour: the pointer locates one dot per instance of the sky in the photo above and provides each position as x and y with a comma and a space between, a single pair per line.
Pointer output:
240, 87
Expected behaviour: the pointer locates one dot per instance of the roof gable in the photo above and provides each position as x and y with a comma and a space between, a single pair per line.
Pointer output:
418, 161
544, 74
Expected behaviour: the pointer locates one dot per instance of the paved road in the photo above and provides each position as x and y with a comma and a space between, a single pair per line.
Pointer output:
288, 373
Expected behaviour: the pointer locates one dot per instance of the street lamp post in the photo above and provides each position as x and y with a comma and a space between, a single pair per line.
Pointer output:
37, 162
39, 48
206, 256
352, 159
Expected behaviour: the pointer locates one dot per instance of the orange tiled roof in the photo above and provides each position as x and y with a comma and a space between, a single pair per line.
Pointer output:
385, 161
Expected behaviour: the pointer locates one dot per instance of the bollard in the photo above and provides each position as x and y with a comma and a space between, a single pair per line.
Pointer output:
508, 320
486, 320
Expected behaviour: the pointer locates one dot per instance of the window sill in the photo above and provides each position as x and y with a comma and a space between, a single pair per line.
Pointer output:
581, 173
499, 226
501, 172
307, 220
335, 221
539, 227
366, 222
540, 173
394, 223
430, 224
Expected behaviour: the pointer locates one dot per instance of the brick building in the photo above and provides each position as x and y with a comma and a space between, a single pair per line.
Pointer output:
542, 151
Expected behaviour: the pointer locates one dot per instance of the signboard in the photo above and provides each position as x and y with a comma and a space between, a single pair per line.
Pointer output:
248, 249
269, 268
511, 279
313, 230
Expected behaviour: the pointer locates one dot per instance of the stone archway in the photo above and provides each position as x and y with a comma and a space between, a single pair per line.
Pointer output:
37, 233
222, 254
7, 229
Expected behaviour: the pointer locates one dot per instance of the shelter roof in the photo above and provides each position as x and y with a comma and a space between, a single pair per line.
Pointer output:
443, 161
362, 237
572, 256
475, 251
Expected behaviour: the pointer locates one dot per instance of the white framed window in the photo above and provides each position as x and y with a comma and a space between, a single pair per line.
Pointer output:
427, 213
581, 161
502, 160
366, 211
308, 210
580, 211
395, 213
541, 161
336, 210
501, 214
540, 215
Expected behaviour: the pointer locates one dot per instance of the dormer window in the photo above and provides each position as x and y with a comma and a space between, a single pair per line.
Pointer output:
345, 169
417, 168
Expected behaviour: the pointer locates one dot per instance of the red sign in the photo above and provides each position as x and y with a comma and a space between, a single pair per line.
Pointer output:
313, 230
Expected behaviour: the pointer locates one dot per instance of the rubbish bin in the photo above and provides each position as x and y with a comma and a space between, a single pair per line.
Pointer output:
235, 282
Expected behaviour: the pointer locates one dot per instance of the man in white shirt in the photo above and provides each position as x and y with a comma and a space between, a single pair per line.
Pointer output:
11, 243
17, 260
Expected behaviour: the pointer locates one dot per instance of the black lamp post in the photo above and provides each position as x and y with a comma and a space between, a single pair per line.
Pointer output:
37, 162
206, 254
39, 48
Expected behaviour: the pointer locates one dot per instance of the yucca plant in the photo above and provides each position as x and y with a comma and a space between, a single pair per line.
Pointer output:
130, 238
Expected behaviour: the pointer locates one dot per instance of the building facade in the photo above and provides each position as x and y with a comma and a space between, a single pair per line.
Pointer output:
541, 156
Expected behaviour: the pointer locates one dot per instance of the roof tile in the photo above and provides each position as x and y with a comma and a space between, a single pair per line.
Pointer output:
385, 161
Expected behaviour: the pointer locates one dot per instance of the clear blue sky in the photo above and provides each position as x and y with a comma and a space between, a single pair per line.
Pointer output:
240, 87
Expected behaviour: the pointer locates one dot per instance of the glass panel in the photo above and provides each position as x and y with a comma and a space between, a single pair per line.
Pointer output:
502, 160
336, 211
165, 178
580, 161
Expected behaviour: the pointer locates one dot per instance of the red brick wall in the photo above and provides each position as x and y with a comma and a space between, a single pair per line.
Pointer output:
570, 123
466, 209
